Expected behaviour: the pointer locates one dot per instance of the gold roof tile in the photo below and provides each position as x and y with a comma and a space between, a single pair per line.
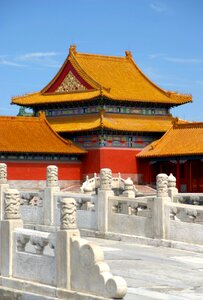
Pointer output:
33, 135
182, 139
121, 122
116, 78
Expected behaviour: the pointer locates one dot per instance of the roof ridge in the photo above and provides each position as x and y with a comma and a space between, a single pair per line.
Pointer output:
102, 56
188, 125
157, 142
146, 77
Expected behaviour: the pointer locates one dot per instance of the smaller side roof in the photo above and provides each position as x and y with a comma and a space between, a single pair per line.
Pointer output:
182, 139
33, 135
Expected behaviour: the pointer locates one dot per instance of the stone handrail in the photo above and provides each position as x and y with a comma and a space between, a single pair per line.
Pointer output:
186, 213
36, 238
189, 198
132, 206
33, 198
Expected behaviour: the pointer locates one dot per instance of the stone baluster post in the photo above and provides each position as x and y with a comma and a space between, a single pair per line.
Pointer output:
3, 187
68, 230
129, 188
50, 203
11, 221
172, 190
160, 216
104, 192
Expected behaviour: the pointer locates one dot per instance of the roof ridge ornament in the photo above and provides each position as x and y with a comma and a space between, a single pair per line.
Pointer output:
42, 115
175, 122
128, 54
72, 49
101, 112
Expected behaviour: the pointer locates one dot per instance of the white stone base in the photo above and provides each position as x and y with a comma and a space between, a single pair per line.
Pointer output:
40, 184
12, 289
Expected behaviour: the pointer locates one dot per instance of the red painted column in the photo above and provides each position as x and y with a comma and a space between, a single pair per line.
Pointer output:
178, 174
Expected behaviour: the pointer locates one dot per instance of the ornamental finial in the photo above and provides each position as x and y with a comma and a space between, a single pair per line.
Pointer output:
72, 49
128, 54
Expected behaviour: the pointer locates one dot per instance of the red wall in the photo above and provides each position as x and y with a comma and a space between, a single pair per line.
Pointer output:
37, 170
118, 160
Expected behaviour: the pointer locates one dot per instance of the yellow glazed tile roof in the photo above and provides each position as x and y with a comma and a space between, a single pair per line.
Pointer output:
32, 135
179, 140
116, 78
39, 98
121, 122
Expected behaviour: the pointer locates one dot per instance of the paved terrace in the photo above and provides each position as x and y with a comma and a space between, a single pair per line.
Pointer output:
155, 272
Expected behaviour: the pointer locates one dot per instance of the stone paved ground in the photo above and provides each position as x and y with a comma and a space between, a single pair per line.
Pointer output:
155, 272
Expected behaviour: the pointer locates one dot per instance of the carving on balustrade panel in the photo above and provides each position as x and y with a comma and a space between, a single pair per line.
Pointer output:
173, 212
185, 213
3, 173
162, 185
192, 215
131, 208
12, 204
52, 176
68, 213
39, 243
22, 242
105, 179
31, 199
37, 239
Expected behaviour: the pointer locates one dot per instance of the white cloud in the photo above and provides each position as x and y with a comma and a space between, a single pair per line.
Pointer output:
199, 82
42, 59
4, 61
155, 55
158, 7
38, 55
184, 60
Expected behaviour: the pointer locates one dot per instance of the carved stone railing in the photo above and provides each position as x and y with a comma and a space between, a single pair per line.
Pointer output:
37, 240
32, 198
139, 207
189, 198
186, 213
90, 185
83, 201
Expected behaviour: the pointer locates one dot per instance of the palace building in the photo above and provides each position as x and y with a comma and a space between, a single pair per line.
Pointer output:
29, 144
107, 106
179, 151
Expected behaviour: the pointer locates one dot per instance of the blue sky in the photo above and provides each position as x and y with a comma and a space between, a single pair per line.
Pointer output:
164, 36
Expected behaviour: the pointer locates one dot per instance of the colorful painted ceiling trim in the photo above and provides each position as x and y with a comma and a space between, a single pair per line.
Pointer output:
180, 140
88, 76
33, 135
120, 122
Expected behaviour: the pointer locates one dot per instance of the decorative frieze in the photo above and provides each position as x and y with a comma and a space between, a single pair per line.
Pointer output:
12, 204
52, 176
68, 213
162, 185
3, 173
70, 84
105, 179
